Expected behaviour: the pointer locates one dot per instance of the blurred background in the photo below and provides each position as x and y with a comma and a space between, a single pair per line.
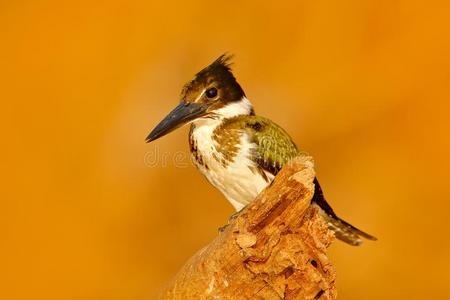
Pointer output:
89, 211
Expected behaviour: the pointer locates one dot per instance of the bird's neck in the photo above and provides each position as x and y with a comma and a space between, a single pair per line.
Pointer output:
235, 108
228, 111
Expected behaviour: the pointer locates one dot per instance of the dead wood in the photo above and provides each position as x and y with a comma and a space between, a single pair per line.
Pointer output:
274, 249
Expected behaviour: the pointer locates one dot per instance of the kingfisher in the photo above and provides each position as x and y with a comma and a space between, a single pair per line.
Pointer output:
239, 152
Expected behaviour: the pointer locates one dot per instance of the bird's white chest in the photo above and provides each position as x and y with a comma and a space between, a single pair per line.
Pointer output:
235, 178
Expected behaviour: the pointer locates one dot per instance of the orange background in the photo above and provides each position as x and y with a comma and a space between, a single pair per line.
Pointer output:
361, 85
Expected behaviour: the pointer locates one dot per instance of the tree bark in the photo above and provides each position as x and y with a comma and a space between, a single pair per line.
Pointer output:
273, 249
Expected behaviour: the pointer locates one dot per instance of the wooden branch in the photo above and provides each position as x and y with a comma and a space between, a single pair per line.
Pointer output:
274, 249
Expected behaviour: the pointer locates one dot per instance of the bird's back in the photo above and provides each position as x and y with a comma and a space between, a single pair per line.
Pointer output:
272, 146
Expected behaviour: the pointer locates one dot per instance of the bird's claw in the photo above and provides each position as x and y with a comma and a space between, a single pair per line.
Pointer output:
230, 219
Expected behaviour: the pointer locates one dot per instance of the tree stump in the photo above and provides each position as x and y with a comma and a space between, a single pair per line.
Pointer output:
275, 248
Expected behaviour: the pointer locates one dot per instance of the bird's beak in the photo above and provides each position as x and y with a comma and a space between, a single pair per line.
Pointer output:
182, 114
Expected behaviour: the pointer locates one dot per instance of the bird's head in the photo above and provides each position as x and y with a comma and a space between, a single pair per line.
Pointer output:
213, 93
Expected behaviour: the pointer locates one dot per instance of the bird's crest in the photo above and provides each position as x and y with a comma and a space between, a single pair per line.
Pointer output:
217, 75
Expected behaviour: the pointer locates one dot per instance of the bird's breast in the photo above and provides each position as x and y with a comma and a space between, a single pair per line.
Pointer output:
235, 174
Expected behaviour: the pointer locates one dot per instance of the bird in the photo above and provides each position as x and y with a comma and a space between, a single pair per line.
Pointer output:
238, 151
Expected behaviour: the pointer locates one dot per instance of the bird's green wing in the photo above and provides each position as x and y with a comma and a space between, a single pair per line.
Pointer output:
274, 147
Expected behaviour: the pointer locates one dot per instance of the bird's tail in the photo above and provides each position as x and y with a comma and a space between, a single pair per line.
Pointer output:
342, 230
345, 231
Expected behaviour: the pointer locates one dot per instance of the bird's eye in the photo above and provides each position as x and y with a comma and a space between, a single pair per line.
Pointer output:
211, 93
